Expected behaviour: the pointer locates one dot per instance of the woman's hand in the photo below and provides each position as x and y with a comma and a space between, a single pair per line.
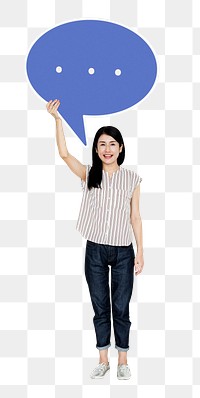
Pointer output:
139, 263
52, 107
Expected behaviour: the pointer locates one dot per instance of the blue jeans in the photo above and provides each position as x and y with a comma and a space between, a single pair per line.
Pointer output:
121, 259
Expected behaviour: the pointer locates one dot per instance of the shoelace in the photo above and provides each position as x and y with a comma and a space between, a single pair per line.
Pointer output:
102, 364
99, 366
123, 368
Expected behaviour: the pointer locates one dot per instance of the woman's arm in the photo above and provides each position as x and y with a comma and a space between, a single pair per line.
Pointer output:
136, 223
75, 166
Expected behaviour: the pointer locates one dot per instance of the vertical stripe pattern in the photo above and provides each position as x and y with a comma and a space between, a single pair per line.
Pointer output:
104, 215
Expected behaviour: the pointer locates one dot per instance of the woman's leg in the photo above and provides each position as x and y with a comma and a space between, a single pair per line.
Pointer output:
122, 278
103, 356
122, 357
97, 276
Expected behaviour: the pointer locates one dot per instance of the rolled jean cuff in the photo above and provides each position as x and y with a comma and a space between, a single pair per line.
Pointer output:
104, 348
121, 349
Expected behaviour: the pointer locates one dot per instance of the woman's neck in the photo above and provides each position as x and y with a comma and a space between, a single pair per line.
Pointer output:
110, 169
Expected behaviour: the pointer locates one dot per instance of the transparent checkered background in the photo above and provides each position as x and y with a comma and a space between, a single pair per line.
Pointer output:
47, 339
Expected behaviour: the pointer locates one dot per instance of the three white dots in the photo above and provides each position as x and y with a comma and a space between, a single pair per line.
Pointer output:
91, 71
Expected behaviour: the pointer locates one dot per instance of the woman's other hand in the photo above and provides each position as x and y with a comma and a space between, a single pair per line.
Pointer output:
139, 263
52, 107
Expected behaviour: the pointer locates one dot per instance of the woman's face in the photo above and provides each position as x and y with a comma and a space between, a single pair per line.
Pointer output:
108, 149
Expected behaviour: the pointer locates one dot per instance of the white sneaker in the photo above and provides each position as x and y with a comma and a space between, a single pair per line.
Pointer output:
123, 372
100, 370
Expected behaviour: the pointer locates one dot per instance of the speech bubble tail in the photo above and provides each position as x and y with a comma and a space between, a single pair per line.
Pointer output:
76, 123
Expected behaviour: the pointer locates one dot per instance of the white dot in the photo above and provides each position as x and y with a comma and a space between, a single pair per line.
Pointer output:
58, 69
91, 71
118, 72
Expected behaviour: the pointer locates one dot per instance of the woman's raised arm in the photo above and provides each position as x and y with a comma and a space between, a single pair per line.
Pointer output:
75, 166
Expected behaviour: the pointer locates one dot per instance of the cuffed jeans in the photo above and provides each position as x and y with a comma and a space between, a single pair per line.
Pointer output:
98, 257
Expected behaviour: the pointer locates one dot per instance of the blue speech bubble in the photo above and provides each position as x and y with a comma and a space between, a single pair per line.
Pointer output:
93, 67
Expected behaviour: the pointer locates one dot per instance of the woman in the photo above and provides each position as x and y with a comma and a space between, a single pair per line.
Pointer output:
109, 208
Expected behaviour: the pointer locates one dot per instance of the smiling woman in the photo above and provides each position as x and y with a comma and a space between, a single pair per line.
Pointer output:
108, 153
108, 148
108, 216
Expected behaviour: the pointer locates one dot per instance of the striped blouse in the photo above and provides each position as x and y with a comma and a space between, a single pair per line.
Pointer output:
104, 215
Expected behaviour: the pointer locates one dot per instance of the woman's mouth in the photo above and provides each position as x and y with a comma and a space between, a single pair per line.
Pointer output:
107, 156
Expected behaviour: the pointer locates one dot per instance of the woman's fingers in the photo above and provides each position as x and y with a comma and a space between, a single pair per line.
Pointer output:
49, 104
56, 104
53, 105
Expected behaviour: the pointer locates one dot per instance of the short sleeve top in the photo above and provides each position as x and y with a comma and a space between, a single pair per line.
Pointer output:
104, 215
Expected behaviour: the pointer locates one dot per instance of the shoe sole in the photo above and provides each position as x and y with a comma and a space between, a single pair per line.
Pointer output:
123, 378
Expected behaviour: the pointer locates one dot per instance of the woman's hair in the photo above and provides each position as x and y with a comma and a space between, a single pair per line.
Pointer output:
95, 174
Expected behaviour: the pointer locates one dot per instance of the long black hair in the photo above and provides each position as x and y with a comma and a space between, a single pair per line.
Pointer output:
95, 174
